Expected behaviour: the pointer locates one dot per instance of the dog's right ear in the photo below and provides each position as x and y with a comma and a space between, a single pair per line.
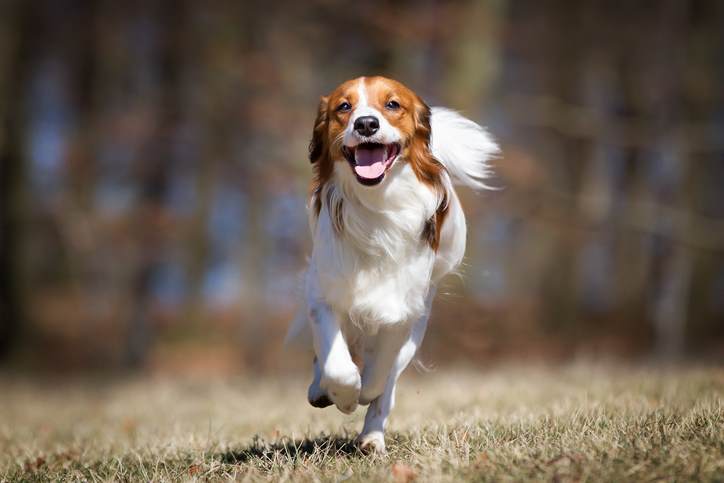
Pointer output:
318, 144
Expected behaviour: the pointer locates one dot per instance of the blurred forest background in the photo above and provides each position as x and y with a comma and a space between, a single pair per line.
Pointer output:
154, 174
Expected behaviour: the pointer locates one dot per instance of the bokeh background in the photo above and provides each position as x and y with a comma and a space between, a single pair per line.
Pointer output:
154, 176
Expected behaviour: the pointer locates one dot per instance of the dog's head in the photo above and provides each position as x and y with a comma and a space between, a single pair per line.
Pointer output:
371, 123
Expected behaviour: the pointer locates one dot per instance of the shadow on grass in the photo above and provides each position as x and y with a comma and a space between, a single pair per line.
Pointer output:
322, 446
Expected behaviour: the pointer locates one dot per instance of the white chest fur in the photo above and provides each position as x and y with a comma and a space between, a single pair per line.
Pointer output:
373, 268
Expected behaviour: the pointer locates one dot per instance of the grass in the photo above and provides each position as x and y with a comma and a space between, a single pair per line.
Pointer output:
566, 424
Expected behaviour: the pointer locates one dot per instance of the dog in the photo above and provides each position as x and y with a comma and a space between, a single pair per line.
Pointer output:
386, 225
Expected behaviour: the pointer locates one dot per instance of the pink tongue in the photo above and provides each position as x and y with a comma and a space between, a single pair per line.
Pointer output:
370, 162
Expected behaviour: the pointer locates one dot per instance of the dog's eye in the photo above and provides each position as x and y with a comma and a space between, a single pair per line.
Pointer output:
344, 107
392, 105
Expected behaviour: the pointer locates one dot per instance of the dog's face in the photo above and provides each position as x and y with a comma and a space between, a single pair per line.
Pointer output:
370, 123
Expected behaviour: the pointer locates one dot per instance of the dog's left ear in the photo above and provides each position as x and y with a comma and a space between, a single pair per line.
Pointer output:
421, 115
427, 169
318, 144
420, 154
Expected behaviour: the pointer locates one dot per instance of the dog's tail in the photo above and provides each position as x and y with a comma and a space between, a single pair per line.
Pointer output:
462, 146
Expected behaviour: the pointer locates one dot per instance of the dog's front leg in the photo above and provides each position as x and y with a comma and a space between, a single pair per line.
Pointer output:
381, 353
372, 437
339, 377
317, 396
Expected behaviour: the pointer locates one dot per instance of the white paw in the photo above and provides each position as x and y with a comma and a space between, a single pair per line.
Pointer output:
373, 442
342, 384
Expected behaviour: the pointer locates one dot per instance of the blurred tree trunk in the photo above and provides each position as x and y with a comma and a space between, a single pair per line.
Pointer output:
12, 165
563, 62
671, 261
474, 62
157, 163
703, 195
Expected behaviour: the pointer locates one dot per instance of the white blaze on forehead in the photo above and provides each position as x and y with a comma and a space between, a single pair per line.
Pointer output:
362, 92
363, 106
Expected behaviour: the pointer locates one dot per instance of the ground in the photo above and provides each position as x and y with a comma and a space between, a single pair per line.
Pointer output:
582, 422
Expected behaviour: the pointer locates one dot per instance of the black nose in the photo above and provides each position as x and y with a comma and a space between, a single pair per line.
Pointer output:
366, 125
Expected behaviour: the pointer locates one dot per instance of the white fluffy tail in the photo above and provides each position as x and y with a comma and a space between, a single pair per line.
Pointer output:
462, 146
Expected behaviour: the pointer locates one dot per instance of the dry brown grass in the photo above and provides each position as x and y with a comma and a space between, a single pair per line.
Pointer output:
569, 424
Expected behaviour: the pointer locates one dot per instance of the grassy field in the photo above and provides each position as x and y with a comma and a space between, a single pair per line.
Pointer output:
566, 424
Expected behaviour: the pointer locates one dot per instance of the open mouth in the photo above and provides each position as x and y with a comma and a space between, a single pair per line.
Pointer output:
370, 161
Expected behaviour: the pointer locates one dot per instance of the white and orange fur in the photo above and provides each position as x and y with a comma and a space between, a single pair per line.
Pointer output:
386, 225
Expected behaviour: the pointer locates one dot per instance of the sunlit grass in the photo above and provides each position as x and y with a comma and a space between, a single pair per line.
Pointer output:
571, 424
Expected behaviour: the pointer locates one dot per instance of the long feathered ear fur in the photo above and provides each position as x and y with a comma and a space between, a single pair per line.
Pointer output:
426, 167
318, 145
428, 170
319, 155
